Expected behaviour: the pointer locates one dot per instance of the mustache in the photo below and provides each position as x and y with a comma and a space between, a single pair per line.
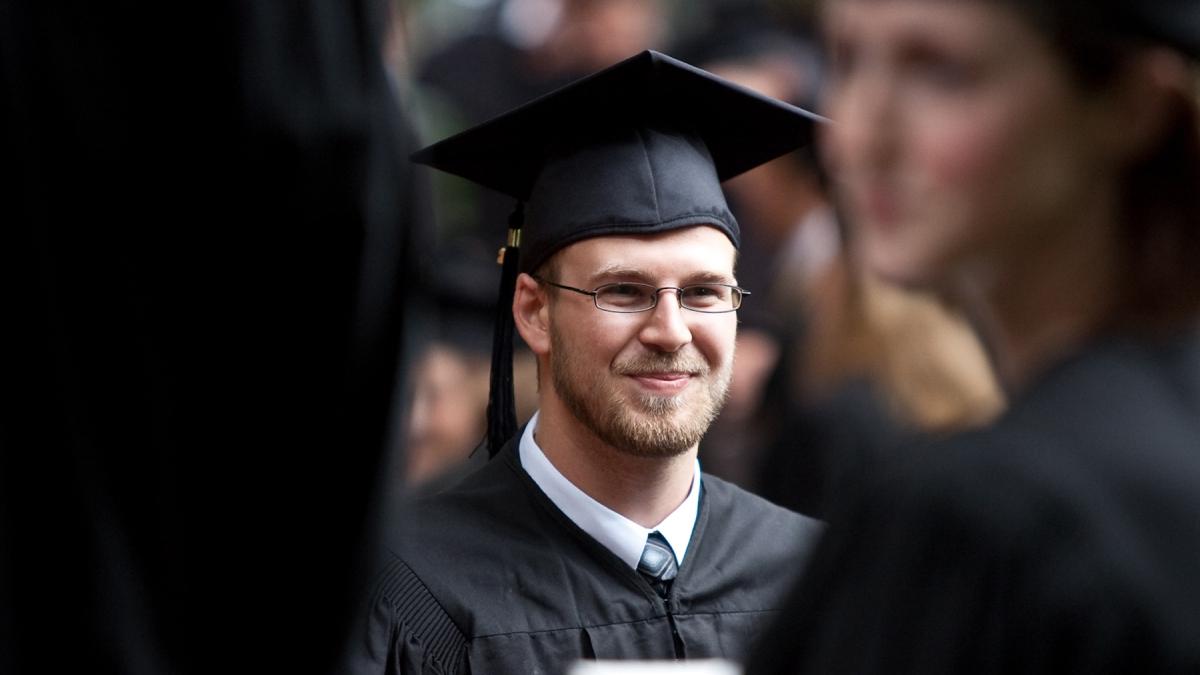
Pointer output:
643, 364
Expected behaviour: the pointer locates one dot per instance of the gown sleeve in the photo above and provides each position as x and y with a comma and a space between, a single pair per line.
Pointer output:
405, 631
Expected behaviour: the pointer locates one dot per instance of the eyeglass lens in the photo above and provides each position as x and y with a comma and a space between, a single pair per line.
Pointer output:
634, 297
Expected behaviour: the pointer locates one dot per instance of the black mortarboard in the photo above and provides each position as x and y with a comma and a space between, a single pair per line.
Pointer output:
638, 148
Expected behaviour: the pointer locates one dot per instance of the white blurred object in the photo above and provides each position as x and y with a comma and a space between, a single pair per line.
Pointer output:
700, 667
527, 24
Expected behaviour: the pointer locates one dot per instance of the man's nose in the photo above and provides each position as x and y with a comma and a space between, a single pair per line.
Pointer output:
666, 328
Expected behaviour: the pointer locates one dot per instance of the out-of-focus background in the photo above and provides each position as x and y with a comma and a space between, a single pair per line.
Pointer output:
832, 368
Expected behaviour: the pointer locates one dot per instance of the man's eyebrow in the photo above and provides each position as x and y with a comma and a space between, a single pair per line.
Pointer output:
709, 278
619, 272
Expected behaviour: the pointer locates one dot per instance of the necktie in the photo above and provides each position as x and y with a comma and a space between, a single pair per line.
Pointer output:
658, 563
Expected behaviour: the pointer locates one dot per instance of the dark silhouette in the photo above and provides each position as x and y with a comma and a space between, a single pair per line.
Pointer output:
208, 241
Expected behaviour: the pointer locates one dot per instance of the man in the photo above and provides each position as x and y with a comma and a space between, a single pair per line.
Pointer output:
591, 533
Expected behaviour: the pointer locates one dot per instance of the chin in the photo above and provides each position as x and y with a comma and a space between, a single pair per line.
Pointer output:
656, 407
655, 442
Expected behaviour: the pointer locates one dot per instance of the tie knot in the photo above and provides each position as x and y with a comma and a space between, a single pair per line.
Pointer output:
658, 560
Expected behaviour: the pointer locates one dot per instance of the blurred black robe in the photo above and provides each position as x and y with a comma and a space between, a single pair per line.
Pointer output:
1064, 539
493, 578
209, 246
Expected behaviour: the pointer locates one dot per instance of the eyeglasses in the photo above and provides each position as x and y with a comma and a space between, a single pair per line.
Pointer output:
628, 297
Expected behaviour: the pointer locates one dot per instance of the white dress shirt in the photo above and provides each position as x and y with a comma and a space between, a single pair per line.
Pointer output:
617, 533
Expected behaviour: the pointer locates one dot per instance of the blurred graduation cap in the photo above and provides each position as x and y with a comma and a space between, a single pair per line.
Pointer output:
638, 148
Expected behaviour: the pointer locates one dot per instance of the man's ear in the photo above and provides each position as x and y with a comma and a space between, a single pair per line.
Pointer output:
531, 314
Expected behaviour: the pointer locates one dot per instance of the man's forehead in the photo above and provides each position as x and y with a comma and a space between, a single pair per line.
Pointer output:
697, 249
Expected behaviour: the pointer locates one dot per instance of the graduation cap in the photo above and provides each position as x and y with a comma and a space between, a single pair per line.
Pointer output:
638, 148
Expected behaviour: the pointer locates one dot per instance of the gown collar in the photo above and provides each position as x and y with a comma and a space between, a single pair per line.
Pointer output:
622, 536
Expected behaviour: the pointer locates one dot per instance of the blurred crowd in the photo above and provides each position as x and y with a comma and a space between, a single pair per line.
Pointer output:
833, 368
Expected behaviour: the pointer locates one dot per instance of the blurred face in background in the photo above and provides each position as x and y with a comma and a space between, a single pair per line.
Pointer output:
584, 36
607, 31
448, 409
960, 145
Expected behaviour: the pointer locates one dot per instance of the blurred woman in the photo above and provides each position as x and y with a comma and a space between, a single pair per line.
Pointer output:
834, 368
1039, 165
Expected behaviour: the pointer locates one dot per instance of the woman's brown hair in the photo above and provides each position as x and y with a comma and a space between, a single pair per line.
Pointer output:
1160, 201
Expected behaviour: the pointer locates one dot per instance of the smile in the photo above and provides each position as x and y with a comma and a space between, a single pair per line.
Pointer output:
663, 383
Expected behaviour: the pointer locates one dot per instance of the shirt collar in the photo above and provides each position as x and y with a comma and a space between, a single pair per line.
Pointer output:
617, 533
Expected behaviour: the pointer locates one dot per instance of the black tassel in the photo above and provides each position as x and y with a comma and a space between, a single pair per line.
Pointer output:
502, 408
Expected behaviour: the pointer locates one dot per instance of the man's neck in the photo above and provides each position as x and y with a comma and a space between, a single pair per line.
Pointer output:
643, 489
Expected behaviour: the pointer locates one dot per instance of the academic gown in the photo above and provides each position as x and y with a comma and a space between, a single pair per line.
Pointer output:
1066, 538
493, 578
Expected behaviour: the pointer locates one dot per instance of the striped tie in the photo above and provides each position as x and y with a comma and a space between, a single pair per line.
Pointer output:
658, 564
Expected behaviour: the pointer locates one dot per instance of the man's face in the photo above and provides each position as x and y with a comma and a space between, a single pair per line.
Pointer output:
647, 383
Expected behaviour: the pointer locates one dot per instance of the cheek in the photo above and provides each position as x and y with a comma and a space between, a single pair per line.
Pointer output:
584, 336
967, 156
717, 341
610, 338
1004, 172
981, 173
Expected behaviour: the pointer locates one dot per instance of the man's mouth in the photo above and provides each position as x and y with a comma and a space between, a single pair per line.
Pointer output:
663, 382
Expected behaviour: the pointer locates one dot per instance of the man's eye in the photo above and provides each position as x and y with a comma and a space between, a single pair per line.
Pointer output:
625, 290
624, 296
706, 295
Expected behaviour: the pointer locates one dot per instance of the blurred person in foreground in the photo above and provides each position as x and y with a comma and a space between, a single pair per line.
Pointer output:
835, 369
210, 248
591, 533
1038, 163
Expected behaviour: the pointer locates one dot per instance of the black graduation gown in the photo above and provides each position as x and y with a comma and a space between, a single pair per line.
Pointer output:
494, 579
1064, 539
